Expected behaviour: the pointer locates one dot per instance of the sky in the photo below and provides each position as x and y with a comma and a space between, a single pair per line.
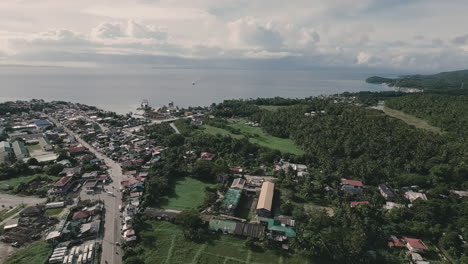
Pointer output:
403, 35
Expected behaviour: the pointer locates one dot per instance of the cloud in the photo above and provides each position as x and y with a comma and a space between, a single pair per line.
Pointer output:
368, 59
248, 32
310, 33
108, 30
460, 39
133, 29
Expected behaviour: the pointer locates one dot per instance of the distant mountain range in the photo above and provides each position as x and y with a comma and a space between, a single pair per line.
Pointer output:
453, 80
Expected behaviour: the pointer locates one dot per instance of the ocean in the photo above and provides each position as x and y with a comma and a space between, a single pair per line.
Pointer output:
122, 90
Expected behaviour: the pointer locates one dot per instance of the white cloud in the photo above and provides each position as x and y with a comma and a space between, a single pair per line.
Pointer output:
343, 33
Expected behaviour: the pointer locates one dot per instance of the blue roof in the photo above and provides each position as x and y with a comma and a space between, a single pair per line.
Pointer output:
42, 122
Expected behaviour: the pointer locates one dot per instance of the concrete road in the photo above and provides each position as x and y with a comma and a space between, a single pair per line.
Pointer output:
111, 233
13, 200
175, 128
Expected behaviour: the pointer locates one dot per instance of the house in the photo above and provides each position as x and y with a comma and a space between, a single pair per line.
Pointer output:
238, 183
224, 226
42, 124
81, 216
90, 229
129, 235
90, 185
66, 163
249, 230
230, 202
286, 220
63, 185
413, 196
356, 203
207, 156
45, 144
279, 232
6, 153
459, 193
32, 211
10, 224
395, 242
351, 186
386, 191
89, 176
21, 152
236, 170
415, 245
265, 200
391, 205
76, 151
72, 172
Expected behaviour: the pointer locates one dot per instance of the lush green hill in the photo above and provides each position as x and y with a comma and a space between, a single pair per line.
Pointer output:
440, 81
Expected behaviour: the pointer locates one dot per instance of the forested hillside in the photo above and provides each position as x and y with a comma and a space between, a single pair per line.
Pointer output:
442, 81
445, 111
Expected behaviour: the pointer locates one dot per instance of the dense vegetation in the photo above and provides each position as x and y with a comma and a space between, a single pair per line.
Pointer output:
448, 112
441, 81
342, 140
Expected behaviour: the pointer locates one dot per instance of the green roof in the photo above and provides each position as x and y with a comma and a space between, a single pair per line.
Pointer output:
275, 225
231, 199
224, 225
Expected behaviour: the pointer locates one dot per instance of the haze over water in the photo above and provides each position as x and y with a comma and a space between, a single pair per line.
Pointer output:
122, 90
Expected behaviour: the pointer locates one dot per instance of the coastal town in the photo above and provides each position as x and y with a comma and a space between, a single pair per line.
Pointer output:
88, 170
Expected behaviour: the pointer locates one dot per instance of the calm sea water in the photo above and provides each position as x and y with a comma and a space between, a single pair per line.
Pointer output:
122, 90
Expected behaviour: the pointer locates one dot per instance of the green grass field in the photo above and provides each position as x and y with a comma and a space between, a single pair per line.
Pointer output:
189, 193
219, 131
53, 211
33, 148
5, 213
411, 120
23, 179
257, 136
272, 107
164, 243
37, 252
264, 139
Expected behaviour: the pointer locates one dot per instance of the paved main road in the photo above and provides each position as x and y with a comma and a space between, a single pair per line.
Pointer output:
110, 252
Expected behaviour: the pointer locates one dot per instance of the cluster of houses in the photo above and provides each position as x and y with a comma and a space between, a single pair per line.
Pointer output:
30, 135
415, 246
264, 224
82, 222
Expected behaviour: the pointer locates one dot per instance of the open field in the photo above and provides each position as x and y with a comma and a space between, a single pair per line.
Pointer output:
14, 182
34, 148
265, 140
37, 252
5, 213
189, 193
53, 211
257, 136
163, 242
219, 131
411, 120
272, 107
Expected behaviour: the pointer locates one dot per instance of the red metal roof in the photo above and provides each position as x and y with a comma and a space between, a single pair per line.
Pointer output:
63, 181
77, 149
415, 243
353, 204
395, 243
81, 214
352, 182
207, 156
